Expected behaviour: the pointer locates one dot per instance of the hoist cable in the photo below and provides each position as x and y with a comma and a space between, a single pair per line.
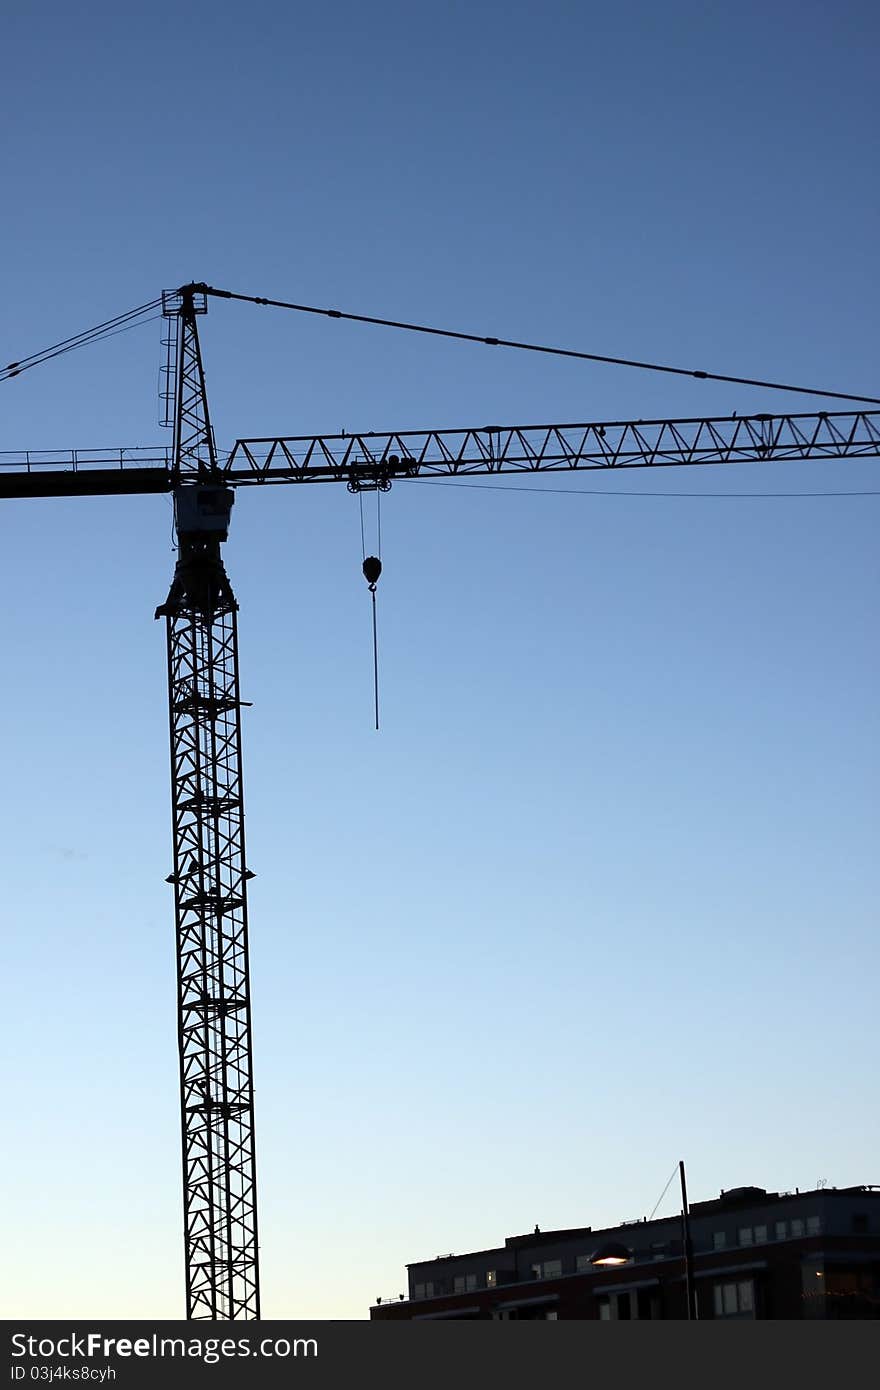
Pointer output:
538, 347
375, 658
372, 569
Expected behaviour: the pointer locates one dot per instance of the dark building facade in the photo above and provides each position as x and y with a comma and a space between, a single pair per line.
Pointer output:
756, 1254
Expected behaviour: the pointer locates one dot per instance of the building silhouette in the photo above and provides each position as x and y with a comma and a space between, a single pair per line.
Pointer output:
756, 1254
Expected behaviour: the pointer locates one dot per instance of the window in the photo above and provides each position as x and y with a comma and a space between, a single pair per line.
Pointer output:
470, 1282
781, 1230
797, 1228
550, 1269
814, 1225
719, 1240
423, 1291
745, 1235
552, 1316
464, 1283
491, 1278
582, 1263
629, 1305
734, 1300
760, 1235
458, 1284
646, 1306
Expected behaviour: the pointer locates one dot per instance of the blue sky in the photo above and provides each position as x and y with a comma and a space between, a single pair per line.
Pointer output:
601, 893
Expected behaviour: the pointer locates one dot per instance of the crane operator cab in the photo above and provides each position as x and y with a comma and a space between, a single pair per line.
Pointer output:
203, 509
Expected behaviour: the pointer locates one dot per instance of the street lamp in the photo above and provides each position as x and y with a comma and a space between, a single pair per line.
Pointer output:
611, 1253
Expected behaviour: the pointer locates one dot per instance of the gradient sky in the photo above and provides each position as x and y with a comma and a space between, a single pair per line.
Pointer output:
601, 894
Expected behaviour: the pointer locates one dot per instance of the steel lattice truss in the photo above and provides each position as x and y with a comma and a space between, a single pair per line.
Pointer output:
210, 874
384, 456
194, 454
555, 448
209, 877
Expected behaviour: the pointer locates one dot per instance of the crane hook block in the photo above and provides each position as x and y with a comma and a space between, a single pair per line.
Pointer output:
372, 569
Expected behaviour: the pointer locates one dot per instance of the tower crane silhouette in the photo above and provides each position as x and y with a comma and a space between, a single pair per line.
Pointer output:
210, 873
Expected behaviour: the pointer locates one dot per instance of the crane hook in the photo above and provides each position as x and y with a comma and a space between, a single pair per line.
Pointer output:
372, 568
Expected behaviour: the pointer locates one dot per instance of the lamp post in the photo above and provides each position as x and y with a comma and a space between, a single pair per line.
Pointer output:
687, 1246
613, 1252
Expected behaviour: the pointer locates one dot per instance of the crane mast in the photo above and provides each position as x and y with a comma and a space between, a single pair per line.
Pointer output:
210, 873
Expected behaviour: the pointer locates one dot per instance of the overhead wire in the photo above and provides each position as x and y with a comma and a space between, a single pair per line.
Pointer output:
492, 341
664, 1192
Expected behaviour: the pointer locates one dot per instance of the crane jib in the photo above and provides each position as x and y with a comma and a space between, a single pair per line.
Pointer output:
377, 458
